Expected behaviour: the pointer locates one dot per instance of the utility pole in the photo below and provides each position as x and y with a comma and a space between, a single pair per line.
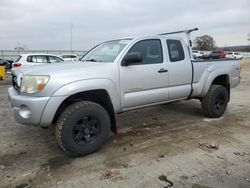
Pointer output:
71, 35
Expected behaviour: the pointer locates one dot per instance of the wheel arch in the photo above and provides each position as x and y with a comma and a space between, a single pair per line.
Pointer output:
217, 78
100, 96
224, 81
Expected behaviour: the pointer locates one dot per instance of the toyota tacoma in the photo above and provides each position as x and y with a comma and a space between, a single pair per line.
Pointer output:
82, 98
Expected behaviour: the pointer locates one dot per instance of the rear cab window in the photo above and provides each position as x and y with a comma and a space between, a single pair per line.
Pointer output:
175, 50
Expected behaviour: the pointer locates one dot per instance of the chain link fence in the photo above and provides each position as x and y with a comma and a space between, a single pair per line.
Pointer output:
13, 54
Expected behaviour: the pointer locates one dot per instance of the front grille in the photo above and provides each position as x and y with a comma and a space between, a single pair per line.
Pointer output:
15, 83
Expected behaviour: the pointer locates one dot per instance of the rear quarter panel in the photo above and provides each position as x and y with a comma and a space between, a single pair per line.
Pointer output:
206, 71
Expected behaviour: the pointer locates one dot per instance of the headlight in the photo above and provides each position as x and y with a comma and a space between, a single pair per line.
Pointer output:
33, 84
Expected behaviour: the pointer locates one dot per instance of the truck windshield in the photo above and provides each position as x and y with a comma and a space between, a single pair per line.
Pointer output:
106, 52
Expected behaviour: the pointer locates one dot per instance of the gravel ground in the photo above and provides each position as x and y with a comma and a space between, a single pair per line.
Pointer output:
169, 145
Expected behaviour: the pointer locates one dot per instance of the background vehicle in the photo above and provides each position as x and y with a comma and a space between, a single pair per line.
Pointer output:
218, 55
36, 59
206, 56
233, 55
69, 57
197, 54
6, 63
117, 76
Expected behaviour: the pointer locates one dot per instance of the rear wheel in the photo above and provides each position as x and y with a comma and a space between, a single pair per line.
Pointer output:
82, 128
214, 104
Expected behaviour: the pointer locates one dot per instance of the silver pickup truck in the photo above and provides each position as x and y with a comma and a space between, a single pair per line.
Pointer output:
82, 99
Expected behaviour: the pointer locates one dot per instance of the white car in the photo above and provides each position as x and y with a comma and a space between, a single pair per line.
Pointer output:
36, 59
197, 54
233, 55
70, 57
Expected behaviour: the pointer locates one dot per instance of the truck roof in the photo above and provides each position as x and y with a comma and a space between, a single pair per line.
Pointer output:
146, 37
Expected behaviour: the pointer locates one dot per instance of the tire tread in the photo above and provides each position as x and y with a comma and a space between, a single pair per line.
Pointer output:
60, 123
206, 102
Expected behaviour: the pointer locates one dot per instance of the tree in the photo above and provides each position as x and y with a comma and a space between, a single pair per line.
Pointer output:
21, 47
248, 37
204, 42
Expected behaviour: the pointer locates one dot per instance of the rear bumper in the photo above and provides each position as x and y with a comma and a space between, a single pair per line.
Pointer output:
36, 111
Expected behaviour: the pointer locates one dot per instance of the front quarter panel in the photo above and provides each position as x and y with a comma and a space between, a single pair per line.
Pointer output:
91, 84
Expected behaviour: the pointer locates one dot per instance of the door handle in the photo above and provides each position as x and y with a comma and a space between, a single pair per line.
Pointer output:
162, 70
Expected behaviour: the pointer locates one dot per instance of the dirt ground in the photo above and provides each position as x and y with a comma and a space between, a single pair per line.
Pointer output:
170, 145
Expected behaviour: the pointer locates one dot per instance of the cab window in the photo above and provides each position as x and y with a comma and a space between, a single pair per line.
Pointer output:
175, 50
150, 50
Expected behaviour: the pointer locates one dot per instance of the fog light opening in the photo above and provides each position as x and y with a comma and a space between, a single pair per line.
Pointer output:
24, 112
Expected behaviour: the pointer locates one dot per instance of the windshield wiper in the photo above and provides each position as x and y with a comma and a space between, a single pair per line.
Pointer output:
93, 60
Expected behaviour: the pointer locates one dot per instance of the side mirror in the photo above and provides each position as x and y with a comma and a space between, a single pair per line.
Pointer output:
131, 58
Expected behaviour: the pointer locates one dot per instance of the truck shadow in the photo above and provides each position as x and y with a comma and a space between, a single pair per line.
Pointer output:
140, 125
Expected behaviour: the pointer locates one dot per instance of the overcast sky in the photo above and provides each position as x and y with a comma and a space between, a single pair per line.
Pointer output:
45, 24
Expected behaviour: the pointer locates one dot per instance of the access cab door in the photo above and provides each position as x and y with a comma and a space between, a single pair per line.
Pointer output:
145, 82
179, 68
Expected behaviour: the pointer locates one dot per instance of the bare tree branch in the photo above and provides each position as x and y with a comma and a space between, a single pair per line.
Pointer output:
204, 42
21, 47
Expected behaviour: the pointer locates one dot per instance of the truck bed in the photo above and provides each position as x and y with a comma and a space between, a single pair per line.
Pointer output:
203, 71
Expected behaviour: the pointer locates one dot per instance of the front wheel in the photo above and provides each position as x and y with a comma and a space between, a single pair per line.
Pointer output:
82, 128
214, 104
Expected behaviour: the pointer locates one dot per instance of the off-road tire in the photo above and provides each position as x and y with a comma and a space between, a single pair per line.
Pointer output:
65, 128
214, 104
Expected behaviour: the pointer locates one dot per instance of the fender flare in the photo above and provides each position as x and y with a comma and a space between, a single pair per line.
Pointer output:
91, 84
214, 74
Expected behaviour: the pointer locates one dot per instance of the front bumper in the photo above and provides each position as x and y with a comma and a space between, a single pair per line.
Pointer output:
235, 81
36, 111
27, 109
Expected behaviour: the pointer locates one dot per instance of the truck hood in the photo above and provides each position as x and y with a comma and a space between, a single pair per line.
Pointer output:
64, 73
57, 68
